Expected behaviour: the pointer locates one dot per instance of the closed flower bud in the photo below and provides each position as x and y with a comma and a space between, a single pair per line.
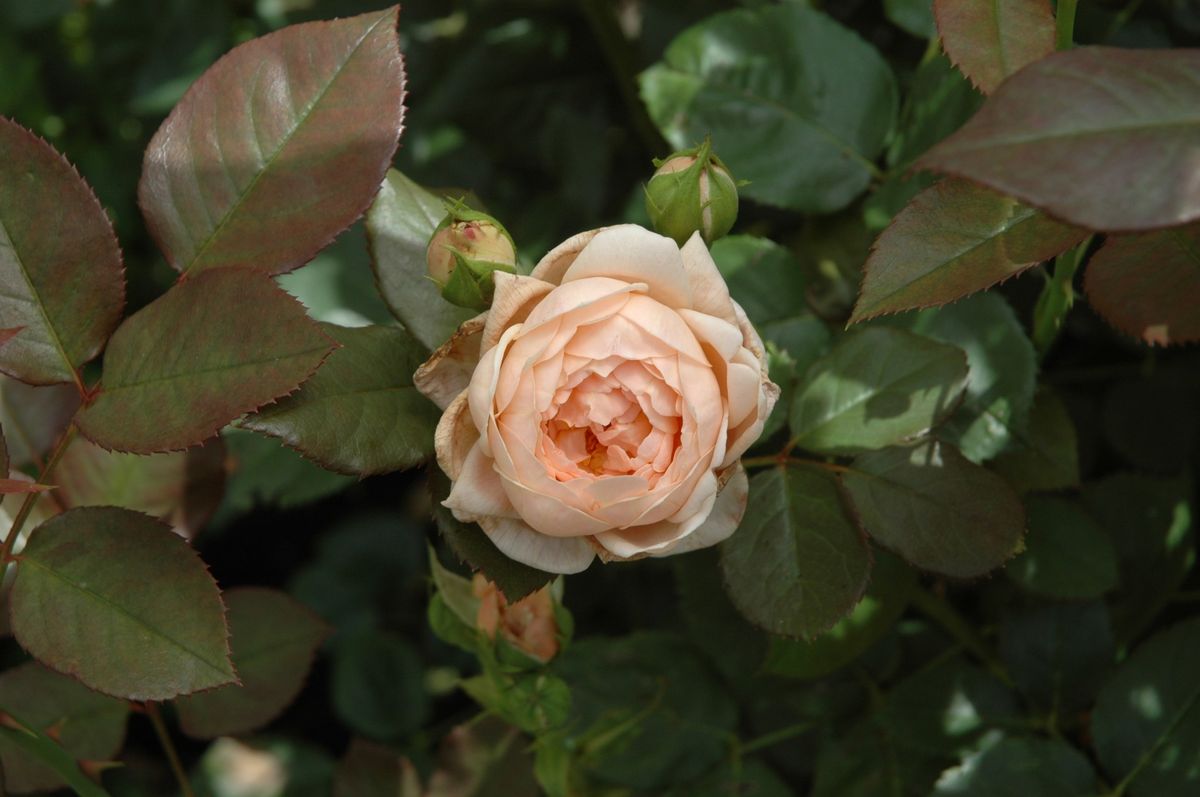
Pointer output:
464, 251
529, 624
692, 191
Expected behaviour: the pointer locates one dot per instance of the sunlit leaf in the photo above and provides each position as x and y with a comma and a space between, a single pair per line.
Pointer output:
935, 508
878, 386
798, 563
213, 347
274, 639
952, 240
1029, 767
278, 147
136, 614
359, 414
1148, 286
1093, 135
990, 41
801, 145
64, 284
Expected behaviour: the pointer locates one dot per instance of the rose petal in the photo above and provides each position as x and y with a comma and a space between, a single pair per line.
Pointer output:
517, 541
516, 295
482, 391
722, 521
743, 385
724, 337
556, 262
455, 436
710, 293
448, 370
477, 491
634, 254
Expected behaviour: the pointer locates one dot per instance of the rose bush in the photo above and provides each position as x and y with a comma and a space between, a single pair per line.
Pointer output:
601, 405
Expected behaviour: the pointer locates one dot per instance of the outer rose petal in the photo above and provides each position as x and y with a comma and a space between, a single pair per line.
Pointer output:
454, 437
517, 541
710, 293
448, 370
515, 296
556, 262
477, 492
722, 521
634, 254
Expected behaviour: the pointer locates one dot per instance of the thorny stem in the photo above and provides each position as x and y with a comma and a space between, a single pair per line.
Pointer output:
23, 513
168, 746
945, 615
1057, 297
1065, 24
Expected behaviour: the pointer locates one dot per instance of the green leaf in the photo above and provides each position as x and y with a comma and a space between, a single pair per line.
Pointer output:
274, 639
645, 711
338, 286
1060, 654
954, 239
1002, 371
136, 614
798, 564
536, 702
913, 16
936, 509
990, 41
399, 225
1146, 724
885, 600
1148, 285
278, 147
187, 37
60, 266
1041, 135
33, 417
471, 545
359, 414
182, 487
41, 747
1152, 526
1029, 767
265, 472
1045, 455
763, 277
1066, 554
713, 623
800, 145
864, 762
213, 347
878, 386
456, 591
749, 778
377, 686
87, 725
372, 770
937, 103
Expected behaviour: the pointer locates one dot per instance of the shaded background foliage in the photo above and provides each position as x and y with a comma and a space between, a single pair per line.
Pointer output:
533, 106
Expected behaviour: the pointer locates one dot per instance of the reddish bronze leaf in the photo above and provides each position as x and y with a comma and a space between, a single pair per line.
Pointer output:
59, 263
215, 346
34, 417
953, 239
1099, 137
279, 147
989, 41
1148, 286
181, 487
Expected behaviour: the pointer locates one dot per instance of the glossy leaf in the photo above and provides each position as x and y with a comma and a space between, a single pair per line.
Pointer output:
877, 387
952, 240
182, 487
33, 417
88, 725
1148, 286
136, 614
1059, 654
399, 225
213, 347
798, 564
1002, 371
885, 600
278, 147
41, 747
1045, 455
990, 41
1146, 724
1152, 524
763, 277
264, 472
274, 639
1026, 766
59, 263
1067, 555
799, 144
359, 414
1040, 137
936, 509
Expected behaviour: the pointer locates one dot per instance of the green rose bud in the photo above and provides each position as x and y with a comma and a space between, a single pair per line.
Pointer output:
464, 251
692, 190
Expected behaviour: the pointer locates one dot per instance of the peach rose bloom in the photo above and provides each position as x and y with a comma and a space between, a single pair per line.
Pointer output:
528, 624
601, 405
